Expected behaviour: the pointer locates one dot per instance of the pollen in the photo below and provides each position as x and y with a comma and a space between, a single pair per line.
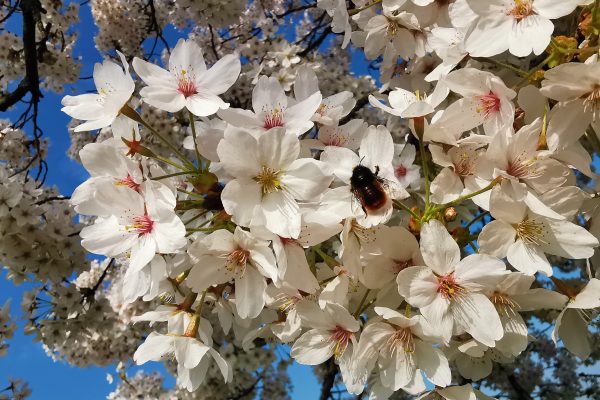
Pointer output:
448, 287
186, 84
237, 260
273, 119
531, 231
402, 339
142, 225
489, 105
269, 180
341, 337
504, 303
129, 182
522, 167
521, 10
392, 29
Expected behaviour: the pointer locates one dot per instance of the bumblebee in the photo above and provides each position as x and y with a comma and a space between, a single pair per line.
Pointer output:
368, 188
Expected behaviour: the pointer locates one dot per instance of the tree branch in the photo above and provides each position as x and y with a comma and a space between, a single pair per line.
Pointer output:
328, 380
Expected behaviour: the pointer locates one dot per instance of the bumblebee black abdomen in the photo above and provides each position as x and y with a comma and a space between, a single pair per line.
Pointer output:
367, 188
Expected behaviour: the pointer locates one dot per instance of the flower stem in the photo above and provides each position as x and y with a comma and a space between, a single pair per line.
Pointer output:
362, 302
404, 207
357, 10
157, 178
193, 126
330, 261
468, 196
132, 114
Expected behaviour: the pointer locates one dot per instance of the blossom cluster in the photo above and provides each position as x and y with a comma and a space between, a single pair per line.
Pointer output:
408, 233
293, 222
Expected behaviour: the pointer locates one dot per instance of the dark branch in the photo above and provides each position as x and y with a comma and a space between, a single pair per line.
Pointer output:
328, 380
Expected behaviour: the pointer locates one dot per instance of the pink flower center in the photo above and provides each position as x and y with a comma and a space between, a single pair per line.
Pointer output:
489, 104
142, 225
448, 287
336, 139
129, 182
186, 84
273, 119
341, 338
401, 171
522, 167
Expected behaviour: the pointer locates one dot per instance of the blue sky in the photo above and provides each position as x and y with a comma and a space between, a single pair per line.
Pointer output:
26, 359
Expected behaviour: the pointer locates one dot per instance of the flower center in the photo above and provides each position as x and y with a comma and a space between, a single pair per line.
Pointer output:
141, 225
465, 165
392, 28
400, 171
531, 231
522, 167
402, 339
273, 118
341, 337
237, 260
489, 104
591, 103
504, 303
336, 139
448, 287
268, 179
186, 84
521, 10
129, 182
322, 110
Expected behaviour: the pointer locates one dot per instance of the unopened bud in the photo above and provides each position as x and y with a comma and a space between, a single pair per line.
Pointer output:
450, 214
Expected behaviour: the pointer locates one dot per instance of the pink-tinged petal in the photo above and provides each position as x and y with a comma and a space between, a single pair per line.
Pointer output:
189, 351
532, 33
306, 178
489, 36
187, 55
433, 363
106, 237
298, 115
153, 349
239, 117
142, 252
477, 315
528, 259
208, 271
153, 75
84, 106
164, 98
446, 186
418, 285
377, 147
205, 104
268, 95
478, 272
496, 237
341, 161
298, 273
277, 149
239, 153
221, 76
249, 293
440, 252
240, 198
313, 348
